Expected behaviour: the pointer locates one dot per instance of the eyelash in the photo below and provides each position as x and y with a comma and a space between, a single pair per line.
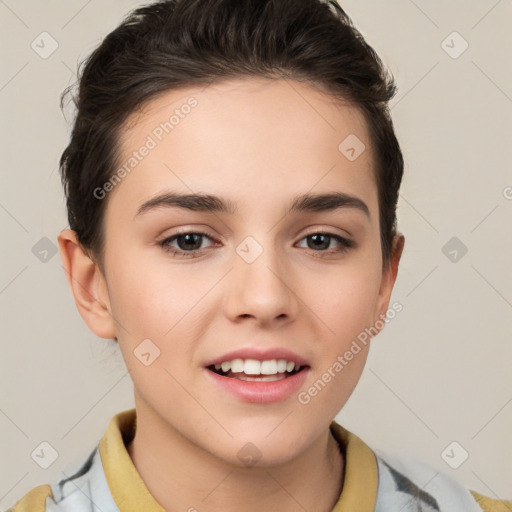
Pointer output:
345, 244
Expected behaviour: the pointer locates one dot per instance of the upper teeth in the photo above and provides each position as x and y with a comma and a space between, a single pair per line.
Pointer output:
255, 367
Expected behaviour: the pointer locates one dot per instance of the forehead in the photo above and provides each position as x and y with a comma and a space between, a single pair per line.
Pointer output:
262, 137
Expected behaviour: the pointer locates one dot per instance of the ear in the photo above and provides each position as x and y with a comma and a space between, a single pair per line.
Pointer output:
88, 285
388, 279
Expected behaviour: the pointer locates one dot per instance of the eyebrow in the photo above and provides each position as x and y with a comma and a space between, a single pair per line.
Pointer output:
214, 204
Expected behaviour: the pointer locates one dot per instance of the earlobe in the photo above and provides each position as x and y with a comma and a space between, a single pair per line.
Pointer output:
87, 284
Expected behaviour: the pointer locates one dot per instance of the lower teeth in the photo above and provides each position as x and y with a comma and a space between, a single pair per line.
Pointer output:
265, 378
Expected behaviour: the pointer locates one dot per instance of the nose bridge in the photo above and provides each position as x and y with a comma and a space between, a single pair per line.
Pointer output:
259, 286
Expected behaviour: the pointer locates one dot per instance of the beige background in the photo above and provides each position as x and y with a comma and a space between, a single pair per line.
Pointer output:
439, 372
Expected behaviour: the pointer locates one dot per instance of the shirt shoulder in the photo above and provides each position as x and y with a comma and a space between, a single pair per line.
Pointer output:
87, 489
492, 505
84, 491
411, 484
34, 500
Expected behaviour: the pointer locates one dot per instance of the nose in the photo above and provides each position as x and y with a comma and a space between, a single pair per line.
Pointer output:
262, 290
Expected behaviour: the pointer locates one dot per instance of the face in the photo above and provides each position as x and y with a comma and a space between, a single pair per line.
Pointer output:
192, 284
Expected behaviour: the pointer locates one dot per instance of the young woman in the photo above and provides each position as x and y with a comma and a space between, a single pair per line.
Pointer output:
231, 183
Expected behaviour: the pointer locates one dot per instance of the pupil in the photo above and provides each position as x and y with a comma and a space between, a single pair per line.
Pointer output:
323, 245
187, 238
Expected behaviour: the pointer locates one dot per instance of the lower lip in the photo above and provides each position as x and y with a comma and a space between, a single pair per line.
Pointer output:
260, 392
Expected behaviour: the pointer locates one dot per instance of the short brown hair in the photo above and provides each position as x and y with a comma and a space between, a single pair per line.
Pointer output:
178, 43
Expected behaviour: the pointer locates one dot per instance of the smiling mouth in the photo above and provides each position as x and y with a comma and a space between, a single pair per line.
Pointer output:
255, 378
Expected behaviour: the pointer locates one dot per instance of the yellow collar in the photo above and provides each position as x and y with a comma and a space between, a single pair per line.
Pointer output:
361, 473
130, 493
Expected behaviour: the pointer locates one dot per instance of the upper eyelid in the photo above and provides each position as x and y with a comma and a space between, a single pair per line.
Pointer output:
314, 230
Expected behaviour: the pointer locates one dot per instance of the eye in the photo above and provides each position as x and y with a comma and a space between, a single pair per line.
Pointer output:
189, 243
321, 241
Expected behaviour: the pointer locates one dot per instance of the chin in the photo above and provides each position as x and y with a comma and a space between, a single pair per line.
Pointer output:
259, 451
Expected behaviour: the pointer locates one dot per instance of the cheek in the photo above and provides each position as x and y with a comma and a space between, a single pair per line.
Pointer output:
154, 307
345, 301
153, 298
164, 305
347, 309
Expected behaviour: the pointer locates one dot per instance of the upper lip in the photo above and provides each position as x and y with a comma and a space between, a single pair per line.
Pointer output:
260, 355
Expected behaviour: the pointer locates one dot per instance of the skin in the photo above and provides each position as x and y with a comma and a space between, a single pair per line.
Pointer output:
257, 143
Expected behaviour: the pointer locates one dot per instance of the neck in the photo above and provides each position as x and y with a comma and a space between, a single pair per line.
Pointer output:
182, 476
